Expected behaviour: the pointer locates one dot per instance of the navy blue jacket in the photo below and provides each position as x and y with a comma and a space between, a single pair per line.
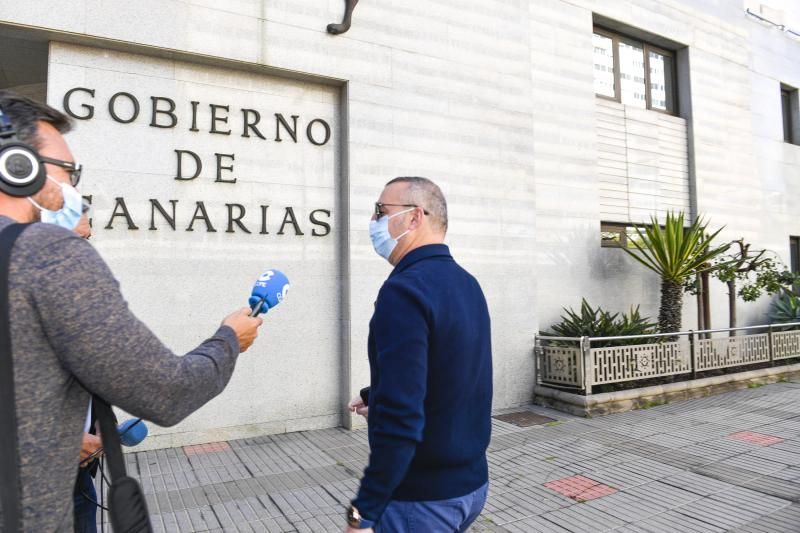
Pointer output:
430, 401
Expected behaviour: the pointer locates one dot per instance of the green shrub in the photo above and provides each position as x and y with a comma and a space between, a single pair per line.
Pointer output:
786, 308
594, 322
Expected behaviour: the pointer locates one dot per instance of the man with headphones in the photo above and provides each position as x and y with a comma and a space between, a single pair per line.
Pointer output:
67, 332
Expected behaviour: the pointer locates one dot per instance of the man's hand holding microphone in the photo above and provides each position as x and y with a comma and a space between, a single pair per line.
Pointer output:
269, 290
244, 325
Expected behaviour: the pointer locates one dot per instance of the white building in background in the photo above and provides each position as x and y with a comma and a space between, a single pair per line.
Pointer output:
221, 139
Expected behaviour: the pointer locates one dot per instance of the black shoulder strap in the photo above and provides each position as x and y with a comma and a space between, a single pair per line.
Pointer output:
112, 446
10, 488
127, 504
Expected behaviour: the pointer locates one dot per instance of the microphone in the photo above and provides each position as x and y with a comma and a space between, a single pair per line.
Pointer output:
132, 431
269, 290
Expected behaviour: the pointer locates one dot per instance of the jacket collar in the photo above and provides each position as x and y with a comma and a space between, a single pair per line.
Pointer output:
418, 254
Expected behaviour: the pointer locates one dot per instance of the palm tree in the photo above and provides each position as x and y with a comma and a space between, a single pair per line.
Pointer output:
674, 253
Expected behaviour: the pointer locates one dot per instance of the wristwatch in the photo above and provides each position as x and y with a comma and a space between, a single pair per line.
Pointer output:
355, 520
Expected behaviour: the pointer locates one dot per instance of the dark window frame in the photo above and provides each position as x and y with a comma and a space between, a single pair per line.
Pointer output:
794, 258
616, 37
787, 120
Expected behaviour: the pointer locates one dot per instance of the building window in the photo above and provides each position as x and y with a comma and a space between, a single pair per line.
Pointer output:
23, 65
604, 76
633, 72
618, 234
789, 114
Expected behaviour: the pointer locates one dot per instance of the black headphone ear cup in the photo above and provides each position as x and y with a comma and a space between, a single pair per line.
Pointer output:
21, 172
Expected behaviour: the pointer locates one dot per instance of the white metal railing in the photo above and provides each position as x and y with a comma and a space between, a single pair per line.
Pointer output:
573, 362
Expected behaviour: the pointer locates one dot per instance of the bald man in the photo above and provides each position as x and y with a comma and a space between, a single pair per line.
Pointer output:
430, 396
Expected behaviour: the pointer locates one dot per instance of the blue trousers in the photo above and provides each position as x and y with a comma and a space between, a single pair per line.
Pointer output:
441, 516
85, 514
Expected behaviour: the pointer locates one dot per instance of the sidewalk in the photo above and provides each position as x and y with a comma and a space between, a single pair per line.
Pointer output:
724, 463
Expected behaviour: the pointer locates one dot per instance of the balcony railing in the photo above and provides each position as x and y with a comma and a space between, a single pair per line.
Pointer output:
572, 362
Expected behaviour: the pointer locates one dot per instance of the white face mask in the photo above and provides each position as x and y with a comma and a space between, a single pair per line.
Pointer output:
70, 213
382, 240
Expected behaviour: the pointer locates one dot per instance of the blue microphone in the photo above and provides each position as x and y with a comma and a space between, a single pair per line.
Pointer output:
132, 431
270, 290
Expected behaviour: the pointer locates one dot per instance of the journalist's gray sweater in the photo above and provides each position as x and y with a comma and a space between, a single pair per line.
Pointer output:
72, 332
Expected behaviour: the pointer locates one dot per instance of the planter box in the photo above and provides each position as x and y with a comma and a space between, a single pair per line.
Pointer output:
626, 400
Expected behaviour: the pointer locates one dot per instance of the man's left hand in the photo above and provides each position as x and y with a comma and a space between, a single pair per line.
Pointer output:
354, 530
357, 406
89, 445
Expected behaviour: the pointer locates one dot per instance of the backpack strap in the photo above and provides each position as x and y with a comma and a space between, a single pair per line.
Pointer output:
112, 446
127, 504
10, 488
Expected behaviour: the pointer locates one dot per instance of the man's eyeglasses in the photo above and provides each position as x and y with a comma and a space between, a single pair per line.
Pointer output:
74, 169
379, 206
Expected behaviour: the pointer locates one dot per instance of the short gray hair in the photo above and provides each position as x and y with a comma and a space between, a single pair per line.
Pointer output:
427, 195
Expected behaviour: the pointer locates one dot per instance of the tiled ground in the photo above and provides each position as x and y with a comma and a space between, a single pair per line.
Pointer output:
724, 463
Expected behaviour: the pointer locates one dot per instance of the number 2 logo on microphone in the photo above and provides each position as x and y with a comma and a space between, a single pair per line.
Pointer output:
264, 278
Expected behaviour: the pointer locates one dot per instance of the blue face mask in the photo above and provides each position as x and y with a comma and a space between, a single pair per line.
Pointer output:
69, 214
382, 240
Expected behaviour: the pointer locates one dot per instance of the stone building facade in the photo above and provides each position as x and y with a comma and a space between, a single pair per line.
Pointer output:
222, 139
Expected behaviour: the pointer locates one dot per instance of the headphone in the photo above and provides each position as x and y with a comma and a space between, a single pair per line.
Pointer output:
21, 172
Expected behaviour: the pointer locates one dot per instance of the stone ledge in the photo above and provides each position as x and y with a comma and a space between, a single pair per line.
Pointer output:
626, 400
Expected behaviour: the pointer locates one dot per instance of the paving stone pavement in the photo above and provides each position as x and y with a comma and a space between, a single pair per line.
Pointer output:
724, 463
